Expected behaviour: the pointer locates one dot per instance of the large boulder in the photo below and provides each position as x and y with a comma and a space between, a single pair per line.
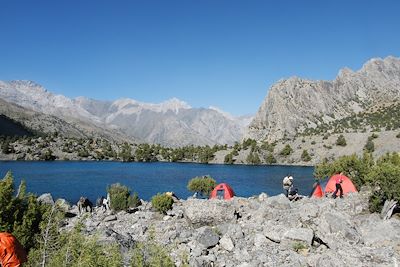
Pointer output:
334, 225
46, 199
207, 237
300, 234
208, 212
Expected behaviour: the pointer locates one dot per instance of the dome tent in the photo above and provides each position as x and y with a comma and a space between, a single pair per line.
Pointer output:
222, 191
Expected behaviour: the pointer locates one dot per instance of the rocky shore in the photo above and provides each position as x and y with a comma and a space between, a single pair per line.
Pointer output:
258, 231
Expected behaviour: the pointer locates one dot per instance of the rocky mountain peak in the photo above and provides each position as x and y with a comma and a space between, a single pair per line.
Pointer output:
295, 104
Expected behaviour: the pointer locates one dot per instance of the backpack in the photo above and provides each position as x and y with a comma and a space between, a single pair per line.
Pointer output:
12, 254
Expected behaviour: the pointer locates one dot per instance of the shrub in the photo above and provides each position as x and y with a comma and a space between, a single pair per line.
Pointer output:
313, 142
134, 201
286, 151
253, 158
74, 249
341, 141
203, 184
398, 135
20, 214
369, 146
149, 253
299, 246
120, 197
386, 176
162, 202
229, 159
270, 159
326, 136
305, 156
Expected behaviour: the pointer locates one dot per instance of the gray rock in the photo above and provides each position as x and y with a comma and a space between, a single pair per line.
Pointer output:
336, 223
280, 202
226, 243
207, 237
300, 234
63, 204
262, 197
110, 218
260, 240
46, 199
274, 232
208, 212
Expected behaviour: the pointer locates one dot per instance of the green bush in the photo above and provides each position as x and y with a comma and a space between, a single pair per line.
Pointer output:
120, 197
20, 213
270, 159
341, 141
73, 249
162, 202
398, 135
253, 158
305, 156
286, 151
386, 176
202, 184
369, 146
228, 158
134, 201
150, 254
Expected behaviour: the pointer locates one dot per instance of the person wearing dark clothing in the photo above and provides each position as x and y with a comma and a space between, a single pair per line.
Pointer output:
338, 183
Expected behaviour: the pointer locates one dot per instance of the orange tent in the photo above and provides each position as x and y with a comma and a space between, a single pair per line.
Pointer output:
222, 191
317, 191
12, 254
347, 184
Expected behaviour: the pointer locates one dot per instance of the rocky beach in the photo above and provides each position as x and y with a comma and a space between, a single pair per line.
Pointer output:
257, 231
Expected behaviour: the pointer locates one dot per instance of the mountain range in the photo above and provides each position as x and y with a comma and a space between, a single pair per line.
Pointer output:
292, 107
171, 123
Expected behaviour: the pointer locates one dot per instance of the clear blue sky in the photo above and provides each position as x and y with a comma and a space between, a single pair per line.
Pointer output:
220, 53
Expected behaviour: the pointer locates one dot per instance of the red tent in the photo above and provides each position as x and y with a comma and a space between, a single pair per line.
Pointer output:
222, 191
317, 191
347, 184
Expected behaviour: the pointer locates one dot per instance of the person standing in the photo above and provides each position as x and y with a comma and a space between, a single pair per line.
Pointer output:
338, 183
287, 184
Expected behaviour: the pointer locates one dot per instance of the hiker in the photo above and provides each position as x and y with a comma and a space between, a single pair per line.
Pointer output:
287, 184
106, 202
12, 254
84, 204
338, 184
173, 196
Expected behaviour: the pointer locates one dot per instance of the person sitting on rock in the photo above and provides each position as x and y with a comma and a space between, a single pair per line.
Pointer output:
287, 184
294, 195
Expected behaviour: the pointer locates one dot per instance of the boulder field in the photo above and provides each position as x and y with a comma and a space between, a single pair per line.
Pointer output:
257, 231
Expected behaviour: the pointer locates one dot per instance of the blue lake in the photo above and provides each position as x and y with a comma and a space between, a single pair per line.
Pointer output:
70, 180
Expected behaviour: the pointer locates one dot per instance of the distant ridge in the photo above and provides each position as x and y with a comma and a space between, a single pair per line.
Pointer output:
170, 123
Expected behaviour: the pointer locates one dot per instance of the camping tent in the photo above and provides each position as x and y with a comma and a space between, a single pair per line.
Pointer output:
347, 185
222, 191
317, 191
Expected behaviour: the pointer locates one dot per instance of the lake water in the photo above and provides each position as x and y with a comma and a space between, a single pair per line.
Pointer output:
70, 180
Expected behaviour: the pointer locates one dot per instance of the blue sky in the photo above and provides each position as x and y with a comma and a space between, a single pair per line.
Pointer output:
207, 53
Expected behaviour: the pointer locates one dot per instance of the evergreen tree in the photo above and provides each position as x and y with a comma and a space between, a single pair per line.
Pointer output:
305, 156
